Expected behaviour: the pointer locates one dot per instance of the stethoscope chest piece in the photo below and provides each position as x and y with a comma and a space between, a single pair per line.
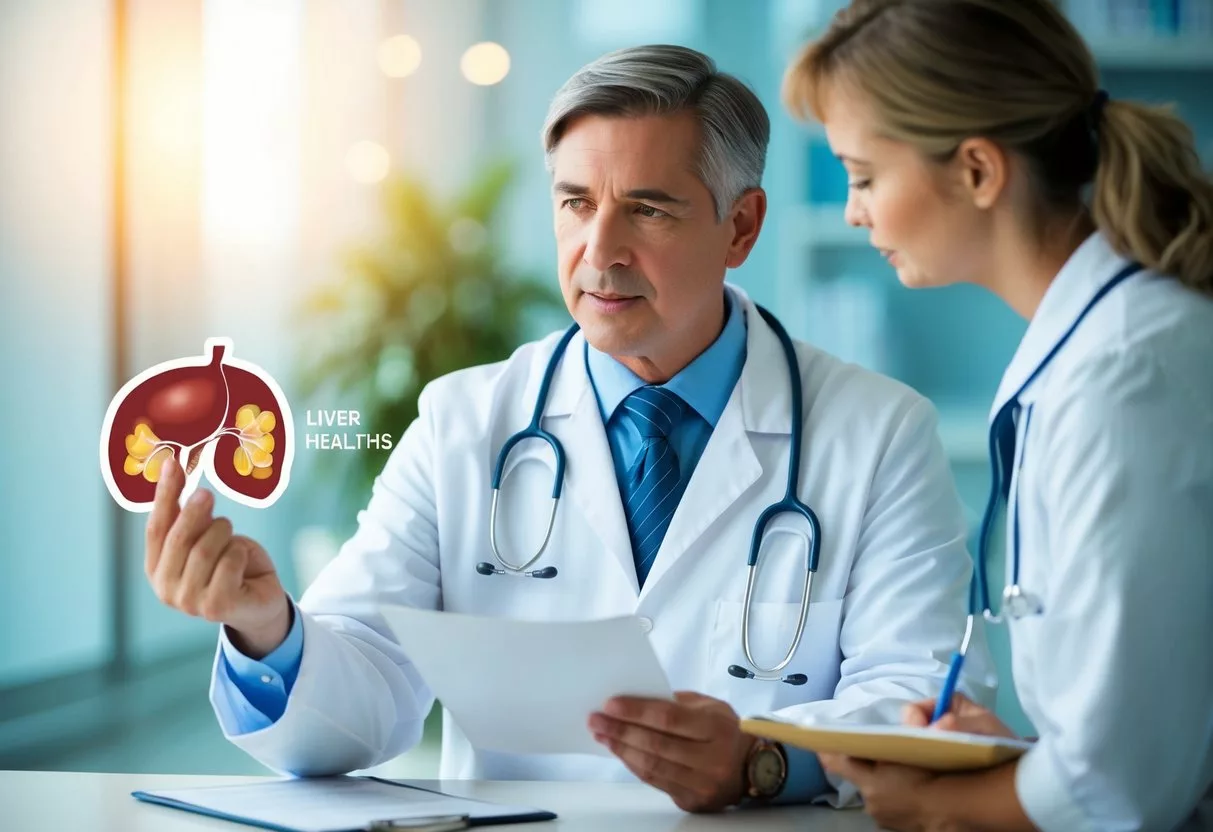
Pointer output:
1019, 603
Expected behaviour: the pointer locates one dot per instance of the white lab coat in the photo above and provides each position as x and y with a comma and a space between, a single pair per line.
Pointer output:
1115, 505
889, 598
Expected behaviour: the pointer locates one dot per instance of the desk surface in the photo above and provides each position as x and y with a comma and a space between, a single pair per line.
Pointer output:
35, 801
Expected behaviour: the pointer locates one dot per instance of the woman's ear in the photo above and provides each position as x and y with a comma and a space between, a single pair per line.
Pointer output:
984, 171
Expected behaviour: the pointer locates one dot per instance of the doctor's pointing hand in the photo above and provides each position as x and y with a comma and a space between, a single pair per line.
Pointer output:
785, 524
197, 565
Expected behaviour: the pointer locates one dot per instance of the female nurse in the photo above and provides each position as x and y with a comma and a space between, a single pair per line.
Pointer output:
980, 149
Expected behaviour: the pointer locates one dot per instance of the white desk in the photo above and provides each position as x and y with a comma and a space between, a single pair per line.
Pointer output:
35, 801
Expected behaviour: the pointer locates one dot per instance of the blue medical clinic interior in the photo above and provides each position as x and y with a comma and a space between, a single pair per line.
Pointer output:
258, 141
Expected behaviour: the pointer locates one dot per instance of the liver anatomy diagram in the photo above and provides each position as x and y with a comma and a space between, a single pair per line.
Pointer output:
215, 414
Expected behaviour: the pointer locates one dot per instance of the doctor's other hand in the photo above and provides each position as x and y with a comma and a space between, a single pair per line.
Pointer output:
964, 715
195, 564
692, 748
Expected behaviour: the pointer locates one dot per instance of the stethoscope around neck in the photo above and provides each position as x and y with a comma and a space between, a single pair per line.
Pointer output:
1017, 602
788, 504
531, 431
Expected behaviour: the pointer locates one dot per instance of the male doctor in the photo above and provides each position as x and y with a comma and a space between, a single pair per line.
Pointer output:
673, 404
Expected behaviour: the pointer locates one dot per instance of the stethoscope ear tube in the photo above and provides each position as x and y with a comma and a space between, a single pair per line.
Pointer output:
532, 431
791, 679
486, 568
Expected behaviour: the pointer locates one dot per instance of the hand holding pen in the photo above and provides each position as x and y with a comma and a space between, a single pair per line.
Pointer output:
953, 711
965, 716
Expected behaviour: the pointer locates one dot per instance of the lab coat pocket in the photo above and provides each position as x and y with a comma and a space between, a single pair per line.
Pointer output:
772, 629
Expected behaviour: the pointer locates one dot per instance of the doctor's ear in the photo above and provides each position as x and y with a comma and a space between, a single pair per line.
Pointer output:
983, 169
747, 216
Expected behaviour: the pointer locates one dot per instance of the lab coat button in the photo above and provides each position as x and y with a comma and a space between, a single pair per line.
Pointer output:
267, 679
646, 625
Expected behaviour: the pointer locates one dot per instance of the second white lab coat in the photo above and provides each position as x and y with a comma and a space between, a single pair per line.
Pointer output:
889, 598
1115, 517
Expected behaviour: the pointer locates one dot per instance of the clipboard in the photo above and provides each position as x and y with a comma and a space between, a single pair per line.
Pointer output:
339, 804
921, 747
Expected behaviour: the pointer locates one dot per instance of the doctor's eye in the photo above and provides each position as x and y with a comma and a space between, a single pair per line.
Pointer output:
650, 212
575, 203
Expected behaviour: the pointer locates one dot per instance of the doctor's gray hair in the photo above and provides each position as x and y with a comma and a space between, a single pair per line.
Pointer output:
664, 80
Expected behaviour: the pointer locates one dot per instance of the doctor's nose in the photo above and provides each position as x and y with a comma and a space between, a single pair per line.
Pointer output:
854, 213
606, 244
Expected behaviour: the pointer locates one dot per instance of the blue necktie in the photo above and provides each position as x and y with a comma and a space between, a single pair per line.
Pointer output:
652, 486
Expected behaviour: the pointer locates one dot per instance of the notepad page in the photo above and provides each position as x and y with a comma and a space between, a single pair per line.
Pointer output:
329, 804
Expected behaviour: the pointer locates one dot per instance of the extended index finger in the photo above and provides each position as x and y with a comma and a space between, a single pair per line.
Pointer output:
165, 509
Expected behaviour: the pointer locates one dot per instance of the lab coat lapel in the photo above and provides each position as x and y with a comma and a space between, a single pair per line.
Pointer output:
573, 417
729, 467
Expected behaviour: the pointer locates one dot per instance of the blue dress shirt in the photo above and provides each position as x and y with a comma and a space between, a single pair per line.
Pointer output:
257, 695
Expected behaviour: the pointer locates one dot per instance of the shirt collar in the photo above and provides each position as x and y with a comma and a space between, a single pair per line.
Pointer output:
1091, 265
705, 384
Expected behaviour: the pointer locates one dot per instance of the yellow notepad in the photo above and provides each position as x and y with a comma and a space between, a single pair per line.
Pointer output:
922, 747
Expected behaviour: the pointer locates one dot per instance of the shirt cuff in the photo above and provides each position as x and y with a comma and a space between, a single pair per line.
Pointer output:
265, 684
1041, 786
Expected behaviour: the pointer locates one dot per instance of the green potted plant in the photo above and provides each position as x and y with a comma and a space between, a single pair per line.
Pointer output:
432, 294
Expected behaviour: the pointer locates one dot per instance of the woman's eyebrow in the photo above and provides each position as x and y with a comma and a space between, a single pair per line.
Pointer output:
854, 160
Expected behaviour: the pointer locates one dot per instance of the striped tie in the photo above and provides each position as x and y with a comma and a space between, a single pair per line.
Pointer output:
652, 486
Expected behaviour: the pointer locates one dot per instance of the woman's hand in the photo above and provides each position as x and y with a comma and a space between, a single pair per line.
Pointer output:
964, 715
895, 796
916, 800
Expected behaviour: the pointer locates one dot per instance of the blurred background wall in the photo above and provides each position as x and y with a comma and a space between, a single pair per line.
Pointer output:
174, 169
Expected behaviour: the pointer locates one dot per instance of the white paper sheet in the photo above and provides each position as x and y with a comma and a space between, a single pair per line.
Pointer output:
321, 805
528, 687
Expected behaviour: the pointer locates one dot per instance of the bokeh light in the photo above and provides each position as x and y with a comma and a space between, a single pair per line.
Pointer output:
367, 162
399, 56
485, 63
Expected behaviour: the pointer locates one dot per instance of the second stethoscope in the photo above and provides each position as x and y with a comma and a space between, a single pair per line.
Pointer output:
789, 504
1017, 602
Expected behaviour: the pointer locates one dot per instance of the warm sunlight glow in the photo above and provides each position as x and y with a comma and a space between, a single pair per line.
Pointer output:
367, 162
399, 56
485, 63
251, 108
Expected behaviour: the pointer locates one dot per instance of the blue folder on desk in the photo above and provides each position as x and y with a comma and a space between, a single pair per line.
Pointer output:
333, 804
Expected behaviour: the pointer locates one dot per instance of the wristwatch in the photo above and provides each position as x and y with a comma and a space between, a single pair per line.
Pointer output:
766, 770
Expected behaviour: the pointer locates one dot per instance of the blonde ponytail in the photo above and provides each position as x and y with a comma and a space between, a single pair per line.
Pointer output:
1151, 199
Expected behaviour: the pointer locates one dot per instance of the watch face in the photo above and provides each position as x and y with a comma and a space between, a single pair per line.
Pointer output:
767, 771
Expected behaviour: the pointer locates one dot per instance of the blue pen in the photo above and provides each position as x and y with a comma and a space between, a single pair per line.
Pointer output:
949, 684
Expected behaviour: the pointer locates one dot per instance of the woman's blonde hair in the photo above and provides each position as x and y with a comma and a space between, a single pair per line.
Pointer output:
937, 72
